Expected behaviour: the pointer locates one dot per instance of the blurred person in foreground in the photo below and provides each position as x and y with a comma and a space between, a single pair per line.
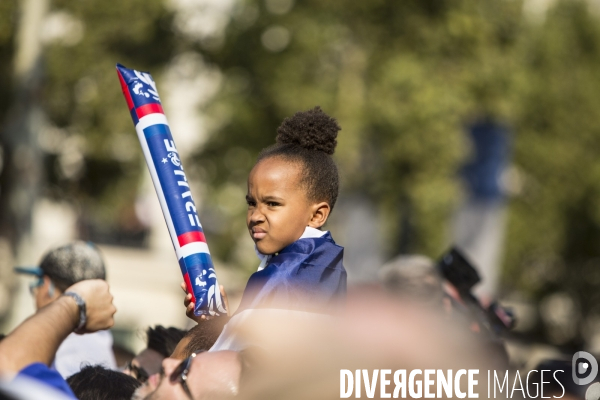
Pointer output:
60, 268
300, 359
26, 353
376, 332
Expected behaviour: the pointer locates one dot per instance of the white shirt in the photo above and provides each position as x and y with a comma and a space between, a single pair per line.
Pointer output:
77, 351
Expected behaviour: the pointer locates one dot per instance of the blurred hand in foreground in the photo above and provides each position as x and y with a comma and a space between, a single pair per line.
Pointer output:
38, 337
100, 309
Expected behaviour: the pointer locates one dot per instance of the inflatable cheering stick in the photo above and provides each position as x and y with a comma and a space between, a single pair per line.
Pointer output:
173, 191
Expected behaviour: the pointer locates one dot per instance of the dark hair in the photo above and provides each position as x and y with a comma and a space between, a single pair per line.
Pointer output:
204, 335
164, 340
8, 396
122, 354
95, 382
309, 137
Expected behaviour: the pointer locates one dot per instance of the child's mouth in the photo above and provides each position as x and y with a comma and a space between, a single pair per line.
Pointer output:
257, 235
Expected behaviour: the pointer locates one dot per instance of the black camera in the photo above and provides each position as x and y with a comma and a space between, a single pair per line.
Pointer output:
458, 271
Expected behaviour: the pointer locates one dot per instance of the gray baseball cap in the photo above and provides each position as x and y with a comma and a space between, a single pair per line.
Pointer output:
69, 264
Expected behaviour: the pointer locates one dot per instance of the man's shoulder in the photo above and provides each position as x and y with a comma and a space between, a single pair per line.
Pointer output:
37, 377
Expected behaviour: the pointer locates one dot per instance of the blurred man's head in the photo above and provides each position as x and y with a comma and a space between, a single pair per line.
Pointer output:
62, 267
202, 376
303, 359
413, 277
160, 344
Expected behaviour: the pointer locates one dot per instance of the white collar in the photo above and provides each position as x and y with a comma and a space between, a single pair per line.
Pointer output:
308, 233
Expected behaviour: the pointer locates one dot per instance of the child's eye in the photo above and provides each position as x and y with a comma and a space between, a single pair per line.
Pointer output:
251, 203
272, 204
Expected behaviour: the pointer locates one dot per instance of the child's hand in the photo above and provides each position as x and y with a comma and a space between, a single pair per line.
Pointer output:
222, 290
189, 304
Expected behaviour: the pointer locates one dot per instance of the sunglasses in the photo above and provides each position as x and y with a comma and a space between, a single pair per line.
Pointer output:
39, 282
180, 374
138, 373
36, 284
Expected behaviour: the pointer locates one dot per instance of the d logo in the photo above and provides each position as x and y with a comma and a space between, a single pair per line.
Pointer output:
583, 367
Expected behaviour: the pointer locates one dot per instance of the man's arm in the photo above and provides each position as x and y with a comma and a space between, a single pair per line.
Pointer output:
39, 336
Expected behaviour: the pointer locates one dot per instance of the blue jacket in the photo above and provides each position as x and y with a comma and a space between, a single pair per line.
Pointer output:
307, 275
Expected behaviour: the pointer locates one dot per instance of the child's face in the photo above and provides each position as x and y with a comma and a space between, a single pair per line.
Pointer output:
278, 208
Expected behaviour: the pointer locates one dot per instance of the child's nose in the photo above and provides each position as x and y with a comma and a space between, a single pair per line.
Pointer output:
257, 215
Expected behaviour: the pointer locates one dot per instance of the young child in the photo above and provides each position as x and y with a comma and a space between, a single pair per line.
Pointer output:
291, 192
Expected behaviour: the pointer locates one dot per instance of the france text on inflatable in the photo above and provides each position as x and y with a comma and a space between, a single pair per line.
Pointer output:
173, 190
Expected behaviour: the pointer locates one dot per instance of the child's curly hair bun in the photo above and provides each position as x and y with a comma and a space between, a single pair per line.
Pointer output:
312, 130
309, 138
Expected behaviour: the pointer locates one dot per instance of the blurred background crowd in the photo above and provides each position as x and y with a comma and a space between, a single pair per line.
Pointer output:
464, 123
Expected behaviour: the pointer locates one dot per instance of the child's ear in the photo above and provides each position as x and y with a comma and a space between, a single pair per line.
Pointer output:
320, 213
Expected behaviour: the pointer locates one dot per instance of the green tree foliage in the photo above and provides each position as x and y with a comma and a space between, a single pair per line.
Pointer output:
554, 226
402, 78
8, 11
83, 100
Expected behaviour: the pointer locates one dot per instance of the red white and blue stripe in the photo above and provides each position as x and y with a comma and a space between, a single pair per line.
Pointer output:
173, 190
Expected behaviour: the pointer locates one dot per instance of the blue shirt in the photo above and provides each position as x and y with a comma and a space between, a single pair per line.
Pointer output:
42, 373
307, 275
